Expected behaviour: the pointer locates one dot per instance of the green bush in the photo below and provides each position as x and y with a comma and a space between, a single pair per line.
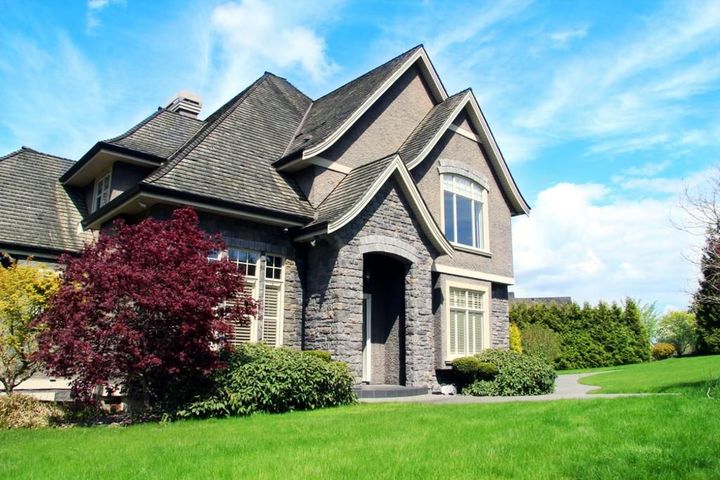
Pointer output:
22, 411
590, 336
515, 338
661, 351
518, 374
321, 354
467, 370
275, 380
540, 340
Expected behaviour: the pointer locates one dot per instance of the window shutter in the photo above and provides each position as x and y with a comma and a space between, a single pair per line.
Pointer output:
242, 333
271, 315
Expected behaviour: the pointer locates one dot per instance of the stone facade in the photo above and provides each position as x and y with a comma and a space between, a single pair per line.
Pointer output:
333, 311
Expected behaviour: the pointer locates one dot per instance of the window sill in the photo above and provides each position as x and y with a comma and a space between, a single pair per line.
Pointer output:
469, 249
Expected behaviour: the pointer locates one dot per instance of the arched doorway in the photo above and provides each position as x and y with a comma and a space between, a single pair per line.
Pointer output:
383, 319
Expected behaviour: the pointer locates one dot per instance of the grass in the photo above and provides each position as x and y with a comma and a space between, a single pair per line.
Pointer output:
637, 437
690, 376
620, 438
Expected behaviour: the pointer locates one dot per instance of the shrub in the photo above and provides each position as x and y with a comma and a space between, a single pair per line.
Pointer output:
518, 374
22, 411
680, 329
467, 370
321, 354
275, 380
515, 338
661, 351
540, 340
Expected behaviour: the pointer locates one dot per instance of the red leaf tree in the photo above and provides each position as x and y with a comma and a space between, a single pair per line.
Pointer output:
139, 309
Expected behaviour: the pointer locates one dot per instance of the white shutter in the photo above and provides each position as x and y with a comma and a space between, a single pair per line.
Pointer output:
272, 304
242, 333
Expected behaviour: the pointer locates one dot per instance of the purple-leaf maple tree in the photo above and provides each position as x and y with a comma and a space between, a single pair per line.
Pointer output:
141, 306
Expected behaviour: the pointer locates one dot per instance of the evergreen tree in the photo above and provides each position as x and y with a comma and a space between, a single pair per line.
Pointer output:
706, 301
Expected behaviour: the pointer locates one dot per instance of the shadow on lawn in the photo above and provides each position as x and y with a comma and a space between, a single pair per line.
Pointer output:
704, 388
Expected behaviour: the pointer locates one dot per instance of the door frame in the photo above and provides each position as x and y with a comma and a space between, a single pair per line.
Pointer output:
367, 333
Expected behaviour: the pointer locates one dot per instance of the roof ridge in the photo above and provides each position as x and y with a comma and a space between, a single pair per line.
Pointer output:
211, 122
32, 150
134, 128
416, 47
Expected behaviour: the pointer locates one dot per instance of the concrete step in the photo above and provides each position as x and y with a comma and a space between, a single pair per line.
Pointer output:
388, 391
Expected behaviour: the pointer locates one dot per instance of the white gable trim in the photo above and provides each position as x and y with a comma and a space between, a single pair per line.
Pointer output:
428, 71
397, 169
412, 163
486, 138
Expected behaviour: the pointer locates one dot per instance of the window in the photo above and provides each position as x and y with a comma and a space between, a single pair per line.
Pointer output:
102, 192
266, 326
464, 211
468, 328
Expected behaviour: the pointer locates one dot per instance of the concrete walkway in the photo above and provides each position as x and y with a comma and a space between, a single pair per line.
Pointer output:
567, 387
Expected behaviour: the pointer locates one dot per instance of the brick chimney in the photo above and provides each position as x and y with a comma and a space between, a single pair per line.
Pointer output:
186, 103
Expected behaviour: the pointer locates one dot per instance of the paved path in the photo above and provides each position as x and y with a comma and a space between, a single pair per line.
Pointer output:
567, 387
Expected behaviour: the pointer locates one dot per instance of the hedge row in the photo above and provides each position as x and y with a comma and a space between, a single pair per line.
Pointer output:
590, 336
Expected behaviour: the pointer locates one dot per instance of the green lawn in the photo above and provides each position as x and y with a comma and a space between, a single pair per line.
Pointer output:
691, 376
639, 437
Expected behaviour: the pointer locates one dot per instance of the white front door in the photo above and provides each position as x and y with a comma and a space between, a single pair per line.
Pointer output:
367, 337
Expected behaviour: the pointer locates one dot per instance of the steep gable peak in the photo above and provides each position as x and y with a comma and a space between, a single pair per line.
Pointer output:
331, 115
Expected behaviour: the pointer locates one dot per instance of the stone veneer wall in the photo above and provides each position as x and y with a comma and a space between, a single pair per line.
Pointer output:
334, 289
499, 317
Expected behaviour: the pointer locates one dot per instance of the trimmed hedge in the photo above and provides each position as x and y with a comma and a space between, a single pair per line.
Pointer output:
467, 370
517, 374
590, 336
265, 379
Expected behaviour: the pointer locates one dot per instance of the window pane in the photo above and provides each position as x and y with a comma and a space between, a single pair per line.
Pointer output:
464, 220
476, 341
449, 216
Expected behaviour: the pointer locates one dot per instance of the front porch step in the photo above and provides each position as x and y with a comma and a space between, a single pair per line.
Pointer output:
388, 391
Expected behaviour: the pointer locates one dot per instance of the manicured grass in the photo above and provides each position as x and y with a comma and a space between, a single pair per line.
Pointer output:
658, 437
690, 376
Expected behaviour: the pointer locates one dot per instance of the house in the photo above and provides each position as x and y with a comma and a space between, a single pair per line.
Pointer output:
373, 222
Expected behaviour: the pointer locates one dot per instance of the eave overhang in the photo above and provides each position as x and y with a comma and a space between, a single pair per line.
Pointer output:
78, 174
143, 195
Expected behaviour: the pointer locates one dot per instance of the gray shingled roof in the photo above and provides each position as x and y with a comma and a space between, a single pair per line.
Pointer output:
161, 134
428, 127
35, 210
328, 113
231, 157
350, 190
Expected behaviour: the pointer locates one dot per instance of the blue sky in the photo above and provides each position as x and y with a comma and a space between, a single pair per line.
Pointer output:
606, 111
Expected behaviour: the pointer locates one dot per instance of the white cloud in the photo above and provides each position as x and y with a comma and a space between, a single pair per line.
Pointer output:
648, 169
631, 144
94, 7
253, 35
562, 37
584, 241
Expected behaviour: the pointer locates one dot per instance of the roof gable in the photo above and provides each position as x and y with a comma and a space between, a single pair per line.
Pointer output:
440, 119
359, 187
333, 114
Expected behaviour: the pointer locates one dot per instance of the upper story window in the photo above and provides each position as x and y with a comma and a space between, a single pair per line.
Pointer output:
102, 192
465, 211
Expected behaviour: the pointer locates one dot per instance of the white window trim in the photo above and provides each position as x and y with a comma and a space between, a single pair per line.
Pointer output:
98, 182
258, 294
485, 212
446, 311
